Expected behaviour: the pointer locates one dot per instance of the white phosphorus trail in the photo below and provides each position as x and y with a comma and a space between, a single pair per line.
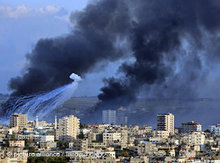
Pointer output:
43, 104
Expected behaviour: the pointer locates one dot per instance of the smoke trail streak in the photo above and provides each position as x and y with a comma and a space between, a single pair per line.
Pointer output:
43, 104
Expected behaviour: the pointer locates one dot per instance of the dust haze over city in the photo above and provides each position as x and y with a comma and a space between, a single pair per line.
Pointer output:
139, 57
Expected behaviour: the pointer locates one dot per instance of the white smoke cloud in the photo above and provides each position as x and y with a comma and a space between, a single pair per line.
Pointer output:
21, 10
75, 77
24, 11
42, 105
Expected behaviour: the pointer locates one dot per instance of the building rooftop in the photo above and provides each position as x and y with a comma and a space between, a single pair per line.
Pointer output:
190, 123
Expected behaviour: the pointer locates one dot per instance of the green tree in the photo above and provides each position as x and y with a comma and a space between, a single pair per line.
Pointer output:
207, 131
61, 159
6, 143
63, 144
82, 126
81, 135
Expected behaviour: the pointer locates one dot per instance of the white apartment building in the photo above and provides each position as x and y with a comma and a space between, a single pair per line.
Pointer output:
188, 127
195, 138
165, 122
47, 138
109, 116
68, 128
215, 129
111, 137
161, 134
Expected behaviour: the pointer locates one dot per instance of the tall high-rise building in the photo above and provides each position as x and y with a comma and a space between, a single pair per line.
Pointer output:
109, 116
68, 128
18, 120
36, 122
55, 122
122, 118
165, 122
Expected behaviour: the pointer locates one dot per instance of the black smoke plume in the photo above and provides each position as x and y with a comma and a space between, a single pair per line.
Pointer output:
173, 45
171, 56
93, 40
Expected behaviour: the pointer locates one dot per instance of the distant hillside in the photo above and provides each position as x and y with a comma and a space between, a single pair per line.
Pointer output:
76, 105
205, 111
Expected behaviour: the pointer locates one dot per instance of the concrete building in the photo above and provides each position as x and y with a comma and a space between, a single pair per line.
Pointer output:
109, 116
17, 143
124, 138
189, 127
47, 138
48, 145
41, 124
109, 138
79, 145
165, 122
68, 128
140, 159
18, 120
215, 129
161, 134
195, 138
122, 118
146, 148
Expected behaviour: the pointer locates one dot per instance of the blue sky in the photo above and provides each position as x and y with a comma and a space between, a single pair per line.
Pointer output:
23, 22
68, 5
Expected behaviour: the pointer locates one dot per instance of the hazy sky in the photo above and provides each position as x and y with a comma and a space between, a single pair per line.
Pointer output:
24, 22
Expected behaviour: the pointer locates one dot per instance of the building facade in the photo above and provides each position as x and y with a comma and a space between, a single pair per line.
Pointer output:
109, 116
188, 127
165, 122
79, 145
215, 129
195, 138
17, 143
161, 134
109, 138
19, 120
68, 128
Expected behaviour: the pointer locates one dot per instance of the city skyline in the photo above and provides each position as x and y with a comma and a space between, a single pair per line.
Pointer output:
107, 142
111, 117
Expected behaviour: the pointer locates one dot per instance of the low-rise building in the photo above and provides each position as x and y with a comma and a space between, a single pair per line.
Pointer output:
215, 129
111, 137
47, 138
17, 143
195, 138
146, 148
48, 145
140, 159
79, 145
161, 134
